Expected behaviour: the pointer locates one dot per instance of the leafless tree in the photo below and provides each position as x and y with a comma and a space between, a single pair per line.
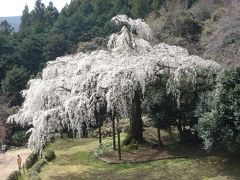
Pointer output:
223, 44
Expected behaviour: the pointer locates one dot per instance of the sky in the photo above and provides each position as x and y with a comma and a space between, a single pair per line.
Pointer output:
15, 7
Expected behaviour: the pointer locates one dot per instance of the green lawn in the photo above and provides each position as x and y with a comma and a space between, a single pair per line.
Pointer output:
76, 160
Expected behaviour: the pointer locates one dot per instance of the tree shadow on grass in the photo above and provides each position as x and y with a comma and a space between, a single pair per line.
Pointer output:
224, 163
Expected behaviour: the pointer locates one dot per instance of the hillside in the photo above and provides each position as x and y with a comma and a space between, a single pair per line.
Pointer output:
15, 21
207, 28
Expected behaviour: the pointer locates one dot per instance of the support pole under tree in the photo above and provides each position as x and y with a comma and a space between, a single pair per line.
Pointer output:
119, 141
170, 132
159, 137
113, 129
99, 130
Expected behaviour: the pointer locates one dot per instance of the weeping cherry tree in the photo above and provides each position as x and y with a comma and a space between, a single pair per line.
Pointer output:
71, 89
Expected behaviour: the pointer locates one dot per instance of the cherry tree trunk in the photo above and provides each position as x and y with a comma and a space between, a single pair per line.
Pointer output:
136, 125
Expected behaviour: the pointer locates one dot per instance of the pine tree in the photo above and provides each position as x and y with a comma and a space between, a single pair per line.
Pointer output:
25, 20
5, 28
140, 8
156, 5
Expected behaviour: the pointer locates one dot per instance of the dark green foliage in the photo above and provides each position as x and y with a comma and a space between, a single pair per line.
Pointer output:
19, 138
7, 49
187, 26
158, 105
87, 7
140, 8
182, 25
156, 5
25, 20
14, 81
31, 52
37, 167
55, 46
50, 155
219, 123
13, 175
83, 21
35, 170
164, 111
5, 28
31, 160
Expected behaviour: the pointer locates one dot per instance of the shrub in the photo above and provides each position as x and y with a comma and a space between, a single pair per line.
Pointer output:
33, 175
218, 112
1, 142
31, 160
37, 167
50, 155
13, 176
19, 138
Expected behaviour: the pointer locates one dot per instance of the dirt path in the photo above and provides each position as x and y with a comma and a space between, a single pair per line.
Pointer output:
8, 161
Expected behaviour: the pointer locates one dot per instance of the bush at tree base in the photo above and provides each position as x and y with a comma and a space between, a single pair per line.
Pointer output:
13, 176
50, 155
31, 160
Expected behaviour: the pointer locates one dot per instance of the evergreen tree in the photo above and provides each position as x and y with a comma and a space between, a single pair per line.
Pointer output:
25, 20
218, 112
7, 48
31, 52
87, 7
55, 46
5, 28
13, 83
38, 15
51, 15
140, 8
102, 6
156, 5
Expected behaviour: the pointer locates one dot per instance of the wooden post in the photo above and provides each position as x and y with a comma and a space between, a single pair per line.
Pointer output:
99, 130
159, 137
113, 129
119, 141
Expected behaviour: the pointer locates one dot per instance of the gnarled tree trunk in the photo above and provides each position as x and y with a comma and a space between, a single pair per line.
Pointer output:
136, 126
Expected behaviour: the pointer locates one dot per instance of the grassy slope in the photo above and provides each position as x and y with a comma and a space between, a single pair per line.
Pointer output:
75, 160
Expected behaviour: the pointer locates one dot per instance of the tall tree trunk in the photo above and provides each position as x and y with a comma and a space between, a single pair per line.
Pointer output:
136, 125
